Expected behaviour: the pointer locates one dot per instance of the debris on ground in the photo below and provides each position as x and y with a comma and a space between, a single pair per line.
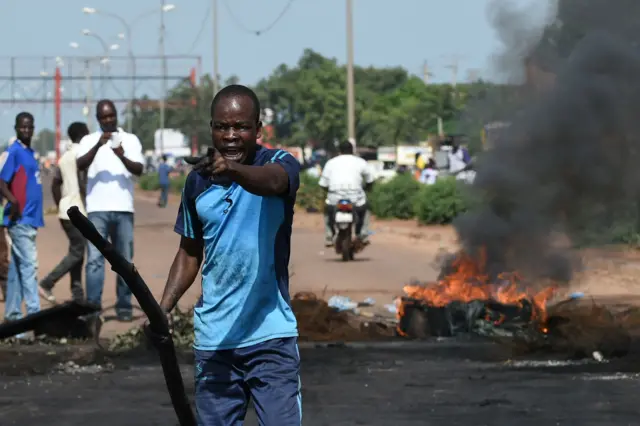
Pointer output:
317, 321
344, 303
72, 368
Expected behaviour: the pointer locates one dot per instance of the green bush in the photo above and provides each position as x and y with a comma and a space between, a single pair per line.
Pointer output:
440, 203
149, 182
177, 183
395, 198
310, 195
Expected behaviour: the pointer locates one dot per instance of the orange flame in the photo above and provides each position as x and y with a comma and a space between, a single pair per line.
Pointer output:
469, 281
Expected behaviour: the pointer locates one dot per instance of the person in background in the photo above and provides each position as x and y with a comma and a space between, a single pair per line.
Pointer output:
111, 158
68, 190
163, 180
21, 186
429, 174
349, 177
4, 254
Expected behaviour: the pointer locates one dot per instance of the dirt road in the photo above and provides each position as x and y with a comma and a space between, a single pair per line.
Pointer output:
379, 272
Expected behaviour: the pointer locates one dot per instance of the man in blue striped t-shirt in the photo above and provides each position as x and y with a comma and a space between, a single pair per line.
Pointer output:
235, 218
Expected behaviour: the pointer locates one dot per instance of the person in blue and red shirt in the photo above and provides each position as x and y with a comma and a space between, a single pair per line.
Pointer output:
20, 185
235, 219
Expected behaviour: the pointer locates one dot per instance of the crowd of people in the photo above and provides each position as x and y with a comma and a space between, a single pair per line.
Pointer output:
95, 174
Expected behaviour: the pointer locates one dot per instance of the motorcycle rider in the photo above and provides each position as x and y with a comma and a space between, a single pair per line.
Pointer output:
346, 176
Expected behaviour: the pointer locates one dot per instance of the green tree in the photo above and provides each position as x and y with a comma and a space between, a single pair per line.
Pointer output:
310, 105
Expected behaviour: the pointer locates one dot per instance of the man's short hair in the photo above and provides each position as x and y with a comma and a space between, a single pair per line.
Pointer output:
237, 90
23, 115
77, 131
345, 147
103, 102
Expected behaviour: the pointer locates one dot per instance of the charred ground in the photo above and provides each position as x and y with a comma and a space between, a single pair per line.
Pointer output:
453, 382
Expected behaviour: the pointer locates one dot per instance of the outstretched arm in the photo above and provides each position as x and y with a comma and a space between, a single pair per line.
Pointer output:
183, 272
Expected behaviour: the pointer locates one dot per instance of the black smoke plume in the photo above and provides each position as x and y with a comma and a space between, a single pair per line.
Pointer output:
566, 172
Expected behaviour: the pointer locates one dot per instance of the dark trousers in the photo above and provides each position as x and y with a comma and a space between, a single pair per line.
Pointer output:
4, 261
268, 373
71, 263
164, 195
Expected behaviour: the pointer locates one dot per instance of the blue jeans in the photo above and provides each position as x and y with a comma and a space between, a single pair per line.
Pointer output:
267, 372
22, 279
118, 227
164, 194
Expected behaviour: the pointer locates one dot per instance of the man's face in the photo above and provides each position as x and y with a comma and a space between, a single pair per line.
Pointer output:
107, 117
24, 129
234, 129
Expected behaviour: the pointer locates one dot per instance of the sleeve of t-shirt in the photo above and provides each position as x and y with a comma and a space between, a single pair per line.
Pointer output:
133, 150
187, 223
366, 173
292, 167
325, 176
9, 166
84, 146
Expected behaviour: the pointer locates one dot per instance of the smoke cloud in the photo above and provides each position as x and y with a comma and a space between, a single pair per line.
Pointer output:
566, 171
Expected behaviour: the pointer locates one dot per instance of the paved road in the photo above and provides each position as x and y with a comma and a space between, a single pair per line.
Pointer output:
379, 272
441, 383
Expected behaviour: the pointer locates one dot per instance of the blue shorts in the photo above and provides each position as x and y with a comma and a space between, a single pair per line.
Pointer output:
268, 373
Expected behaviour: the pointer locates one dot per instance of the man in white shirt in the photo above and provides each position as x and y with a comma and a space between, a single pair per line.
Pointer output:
111, 157
68, 189
346, 176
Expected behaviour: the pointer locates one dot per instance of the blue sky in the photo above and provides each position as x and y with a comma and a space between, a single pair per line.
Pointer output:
387, 33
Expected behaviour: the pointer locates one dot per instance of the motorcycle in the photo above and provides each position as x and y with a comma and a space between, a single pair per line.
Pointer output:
346, 244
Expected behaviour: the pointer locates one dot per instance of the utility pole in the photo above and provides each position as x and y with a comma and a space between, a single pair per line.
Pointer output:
425, 73
89, 94
454, 73
214, 17
163, 58
351, 108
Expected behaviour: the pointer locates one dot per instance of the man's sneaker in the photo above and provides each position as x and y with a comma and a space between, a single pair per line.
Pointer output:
328, 242
46, 294
125, 317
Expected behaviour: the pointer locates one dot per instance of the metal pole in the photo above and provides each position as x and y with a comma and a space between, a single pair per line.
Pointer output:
58, 101
132, 75
87, 76
351, 111
164, 77
214, 16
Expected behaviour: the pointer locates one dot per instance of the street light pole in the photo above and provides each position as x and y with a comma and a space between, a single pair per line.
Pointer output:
351, 110
214, 16
128, 33
164, 78
88, 100
104, 63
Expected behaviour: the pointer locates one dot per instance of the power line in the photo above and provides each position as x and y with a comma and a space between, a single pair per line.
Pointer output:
263, 30
203, 24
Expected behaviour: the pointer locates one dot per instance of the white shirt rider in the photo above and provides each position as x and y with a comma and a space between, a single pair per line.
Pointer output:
345, 177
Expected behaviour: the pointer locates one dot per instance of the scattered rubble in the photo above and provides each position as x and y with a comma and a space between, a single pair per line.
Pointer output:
72, 368
317, 321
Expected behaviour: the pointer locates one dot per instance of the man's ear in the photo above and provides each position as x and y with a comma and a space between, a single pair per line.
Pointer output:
259, 130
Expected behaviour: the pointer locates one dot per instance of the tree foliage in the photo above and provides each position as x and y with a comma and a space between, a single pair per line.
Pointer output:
309, 101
